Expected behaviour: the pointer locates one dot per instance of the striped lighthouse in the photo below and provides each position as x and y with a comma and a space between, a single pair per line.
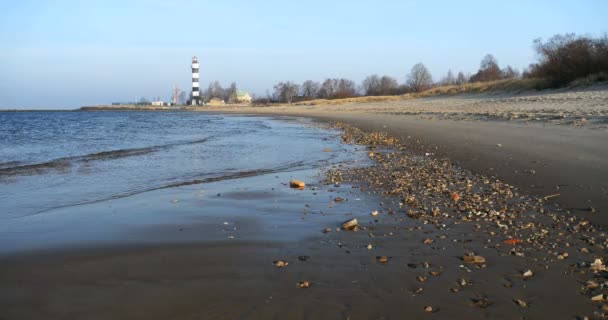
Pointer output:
196, 93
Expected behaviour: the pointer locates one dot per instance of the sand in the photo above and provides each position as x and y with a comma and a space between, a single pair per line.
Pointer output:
546, 143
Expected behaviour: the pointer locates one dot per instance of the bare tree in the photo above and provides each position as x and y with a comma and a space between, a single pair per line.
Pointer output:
461, 78
419, 78
310, 88
448, 80
327, 89
510, 73
371, 85
215, 90
232, 93
488, 70
345, 89
388, 86
286, 91
181, 97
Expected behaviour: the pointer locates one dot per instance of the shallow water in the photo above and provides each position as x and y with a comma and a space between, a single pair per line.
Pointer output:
51, 160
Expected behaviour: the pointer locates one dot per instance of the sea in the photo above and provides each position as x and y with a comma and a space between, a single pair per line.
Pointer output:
50, 160
83, 172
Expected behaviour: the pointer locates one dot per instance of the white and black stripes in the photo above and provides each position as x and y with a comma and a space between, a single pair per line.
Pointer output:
196, 94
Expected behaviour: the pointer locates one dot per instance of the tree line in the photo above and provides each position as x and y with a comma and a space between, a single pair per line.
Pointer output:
418, 79
561, 59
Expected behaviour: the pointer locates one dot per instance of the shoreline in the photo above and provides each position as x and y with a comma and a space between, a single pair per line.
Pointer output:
555, 144
425, 254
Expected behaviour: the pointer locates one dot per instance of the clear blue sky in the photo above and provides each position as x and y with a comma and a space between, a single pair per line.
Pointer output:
64, 54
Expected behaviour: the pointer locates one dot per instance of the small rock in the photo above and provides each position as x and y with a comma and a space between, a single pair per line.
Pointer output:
297, 184
303, 258
482, 303
598, 265
599, 297
304, 284
463, 282
326, 230
369, 247
351, 224
375, 213
520, 303
527, 274
280, 263
427, 241
592, 285
474, 259
382, 259
428, 309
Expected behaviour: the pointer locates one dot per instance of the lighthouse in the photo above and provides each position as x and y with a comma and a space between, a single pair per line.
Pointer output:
196, 93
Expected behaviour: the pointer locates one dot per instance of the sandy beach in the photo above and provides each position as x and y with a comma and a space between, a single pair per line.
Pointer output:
544, 143
453, 223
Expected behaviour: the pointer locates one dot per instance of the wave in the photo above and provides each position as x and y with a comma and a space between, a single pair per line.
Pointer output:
216, 177
66, 162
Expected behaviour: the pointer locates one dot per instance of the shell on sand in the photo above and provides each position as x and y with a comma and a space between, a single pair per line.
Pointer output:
351, 224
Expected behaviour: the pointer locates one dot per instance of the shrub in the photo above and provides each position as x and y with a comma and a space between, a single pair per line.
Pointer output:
565, 58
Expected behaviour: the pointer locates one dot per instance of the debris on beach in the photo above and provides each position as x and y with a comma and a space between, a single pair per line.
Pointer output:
375, 213
351, 224
304, 284
297, 184
598, 266
597, 298
513, 241
382, 259
520, 303
474, 259
482, 303
280, 263
494, 215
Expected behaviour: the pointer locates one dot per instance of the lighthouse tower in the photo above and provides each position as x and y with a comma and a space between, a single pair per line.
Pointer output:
196, 94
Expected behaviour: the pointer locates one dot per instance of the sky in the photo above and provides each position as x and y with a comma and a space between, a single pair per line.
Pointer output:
66, 54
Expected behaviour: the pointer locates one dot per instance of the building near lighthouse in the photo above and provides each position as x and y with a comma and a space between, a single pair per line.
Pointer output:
195, 98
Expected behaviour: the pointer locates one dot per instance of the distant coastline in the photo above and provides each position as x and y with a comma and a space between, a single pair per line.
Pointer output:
37, 110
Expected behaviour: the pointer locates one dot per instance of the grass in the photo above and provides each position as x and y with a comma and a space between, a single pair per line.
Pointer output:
508, 85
